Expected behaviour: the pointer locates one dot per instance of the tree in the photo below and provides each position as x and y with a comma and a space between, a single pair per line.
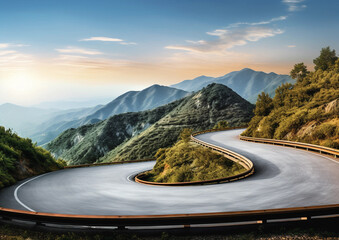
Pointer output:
221, 125
326, 59
299, 72
264, 105
281, 93
185, 135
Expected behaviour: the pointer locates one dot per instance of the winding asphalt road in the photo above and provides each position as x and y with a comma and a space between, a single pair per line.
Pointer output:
285, 177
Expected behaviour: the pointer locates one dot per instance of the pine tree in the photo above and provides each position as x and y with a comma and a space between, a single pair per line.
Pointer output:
264, 105
326, 59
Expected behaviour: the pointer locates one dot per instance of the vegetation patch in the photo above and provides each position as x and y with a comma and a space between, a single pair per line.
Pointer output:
20, 158
306, 111
188, 162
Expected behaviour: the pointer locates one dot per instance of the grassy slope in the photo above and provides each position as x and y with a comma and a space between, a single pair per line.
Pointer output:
308, 111
20, 158
187, 162
199, 111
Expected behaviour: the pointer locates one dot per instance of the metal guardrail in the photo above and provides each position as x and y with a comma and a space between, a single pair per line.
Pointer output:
306, 146
121, 221
235, 157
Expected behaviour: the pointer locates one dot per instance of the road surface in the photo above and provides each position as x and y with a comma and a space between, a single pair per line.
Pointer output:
284, 177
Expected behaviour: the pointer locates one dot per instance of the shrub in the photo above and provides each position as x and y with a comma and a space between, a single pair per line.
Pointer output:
221, 125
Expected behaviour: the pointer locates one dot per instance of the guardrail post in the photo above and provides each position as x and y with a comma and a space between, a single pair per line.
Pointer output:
39, 224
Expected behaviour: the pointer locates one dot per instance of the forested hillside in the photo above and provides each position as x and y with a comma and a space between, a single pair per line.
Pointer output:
20, 158
307, 111
139, 135
88, 143
199, 111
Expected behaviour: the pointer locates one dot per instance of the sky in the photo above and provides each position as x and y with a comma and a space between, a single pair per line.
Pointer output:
95, 50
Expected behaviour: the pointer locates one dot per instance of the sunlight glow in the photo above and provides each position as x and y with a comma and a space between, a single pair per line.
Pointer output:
21, 86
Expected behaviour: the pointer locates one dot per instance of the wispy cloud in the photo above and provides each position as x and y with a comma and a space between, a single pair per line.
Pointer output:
8, 45
291, 46
108, 39
228, 38
235, 34
102, 39
79, 51
12, 61
2, 53
4, 45
128, 43
76, 61
281, 18
294, 5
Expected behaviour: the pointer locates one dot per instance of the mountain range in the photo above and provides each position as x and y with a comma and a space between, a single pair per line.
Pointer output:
246, 82
44, 125
139, 135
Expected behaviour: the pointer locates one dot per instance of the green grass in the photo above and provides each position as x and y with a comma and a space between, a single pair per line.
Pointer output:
187, 162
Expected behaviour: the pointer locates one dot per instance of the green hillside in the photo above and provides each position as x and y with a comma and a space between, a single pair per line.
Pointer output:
20, 158
187, 162
88, 143
199, 111
139, 135
307, 111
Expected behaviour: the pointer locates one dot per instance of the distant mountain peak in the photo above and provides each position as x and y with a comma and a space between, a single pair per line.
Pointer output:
9, 104
246, 70
202, 77
247, 82
154, 86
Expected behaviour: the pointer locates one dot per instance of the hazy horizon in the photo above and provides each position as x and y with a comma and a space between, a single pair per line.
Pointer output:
84, 101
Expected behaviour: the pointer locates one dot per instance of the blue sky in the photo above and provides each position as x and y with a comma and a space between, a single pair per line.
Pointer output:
97, 49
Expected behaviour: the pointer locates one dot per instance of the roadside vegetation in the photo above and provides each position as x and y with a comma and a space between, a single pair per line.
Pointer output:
223, 124
307, 111
20, 158
187, 162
